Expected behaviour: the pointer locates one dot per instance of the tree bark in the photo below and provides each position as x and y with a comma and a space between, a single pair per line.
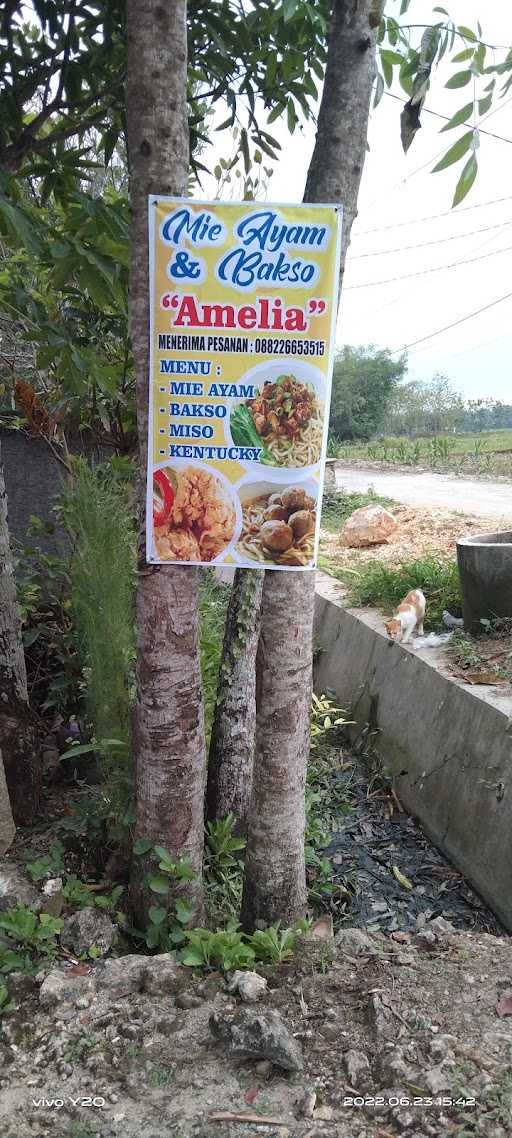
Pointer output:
275, 889
18, 739
275, 883
7, 827
170, 748
232, 742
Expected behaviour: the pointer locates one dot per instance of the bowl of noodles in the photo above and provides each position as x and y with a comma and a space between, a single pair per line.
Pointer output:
278, 524
196, 516
285, 415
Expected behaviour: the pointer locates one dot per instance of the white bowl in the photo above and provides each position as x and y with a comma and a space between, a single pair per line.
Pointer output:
304, 373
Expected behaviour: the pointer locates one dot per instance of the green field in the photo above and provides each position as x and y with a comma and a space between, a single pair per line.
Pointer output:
484, 455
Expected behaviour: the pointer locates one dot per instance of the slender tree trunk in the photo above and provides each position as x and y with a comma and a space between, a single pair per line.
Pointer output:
18, 740
274, 887
232, 742
275, 884
170, 749
7, 827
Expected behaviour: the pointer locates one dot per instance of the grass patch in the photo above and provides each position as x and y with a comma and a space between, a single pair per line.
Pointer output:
383, 585
486, 454
337, 506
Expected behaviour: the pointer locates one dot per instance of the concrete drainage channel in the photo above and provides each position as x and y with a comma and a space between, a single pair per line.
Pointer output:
448, 745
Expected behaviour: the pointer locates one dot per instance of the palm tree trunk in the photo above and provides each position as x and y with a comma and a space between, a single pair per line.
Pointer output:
232, 742
18, 739
275, 889
170, 749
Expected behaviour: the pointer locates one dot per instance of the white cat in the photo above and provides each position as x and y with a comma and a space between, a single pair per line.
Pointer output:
409, 616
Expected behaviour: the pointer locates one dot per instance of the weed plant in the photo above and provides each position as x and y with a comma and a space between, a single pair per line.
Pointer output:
98, 514
337, 506
386, 585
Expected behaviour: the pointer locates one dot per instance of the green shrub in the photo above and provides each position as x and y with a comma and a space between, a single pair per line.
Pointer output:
99, 517
386, 585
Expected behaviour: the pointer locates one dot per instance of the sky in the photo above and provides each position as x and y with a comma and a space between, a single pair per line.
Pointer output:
398, 189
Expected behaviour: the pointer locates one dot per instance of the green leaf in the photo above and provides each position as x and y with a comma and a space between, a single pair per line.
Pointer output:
467, 33
244, 143
455, 152
183, 911
379, 90
289, 7
156, 915
193, 959
142, 846
291, 116
463, 55
484, 104
80, 749
460, 79
158, 883
466, 180
459, 117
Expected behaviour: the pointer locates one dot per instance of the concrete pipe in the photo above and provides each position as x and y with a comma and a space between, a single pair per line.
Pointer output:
485, 568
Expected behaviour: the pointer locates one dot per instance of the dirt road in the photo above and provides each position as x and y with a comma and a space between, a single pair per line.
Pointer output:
488, 499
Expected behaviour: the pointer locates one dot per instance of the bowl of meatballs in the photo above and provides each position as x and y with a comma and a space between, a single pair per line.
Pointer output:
279, 524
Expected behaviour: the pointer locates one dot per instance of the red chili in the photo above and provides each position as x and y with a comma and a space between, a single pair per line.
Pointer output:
161, 515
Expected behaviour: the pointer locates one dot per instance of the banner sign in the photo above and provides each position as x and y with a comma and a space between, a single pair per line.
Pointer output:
243, 314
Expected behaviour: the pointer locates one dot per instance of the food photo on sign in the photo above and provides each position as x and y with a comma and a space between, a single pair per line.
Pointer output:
243, 309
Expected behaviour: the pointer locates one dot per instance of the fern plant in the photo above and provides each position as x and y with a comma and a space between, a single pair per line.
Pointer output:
99, 517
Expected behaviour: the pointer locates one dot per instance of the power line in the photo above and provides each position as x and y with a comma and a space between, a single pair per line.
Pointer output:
433, 217
438, 241
435, 269
476, 347
446, 118
447, 327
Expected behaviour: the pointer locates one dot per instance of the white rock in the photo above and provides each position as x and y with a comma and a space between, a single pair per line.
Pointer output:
370, 525
16, 890
163, 975
52, 886
354, 941
87, 928
358, 1068
436, 1080
62, 985
249, 986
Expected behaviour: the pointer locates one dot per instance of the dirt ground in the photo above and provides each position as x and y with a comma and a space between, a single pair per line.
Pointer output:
421, 532
406, 1034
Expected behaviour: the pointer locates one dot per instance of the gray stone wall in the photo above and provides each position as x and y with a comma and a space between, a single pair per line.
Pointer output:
33, 478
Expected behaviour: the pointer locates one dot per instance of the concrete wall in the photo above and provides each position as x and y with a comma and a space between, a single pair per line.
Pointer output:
448, 745
32, 478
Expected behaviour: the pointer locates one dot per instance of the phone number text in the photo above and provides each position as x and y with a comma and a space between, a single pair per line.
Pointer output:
273, 346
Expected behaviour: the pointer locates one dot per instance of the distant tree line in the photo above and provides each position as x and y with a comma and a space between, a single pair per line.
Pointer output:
370, 397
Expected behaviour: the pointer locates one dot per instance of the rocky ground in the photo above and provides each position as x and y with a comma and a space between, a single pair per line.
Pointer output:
363, 1036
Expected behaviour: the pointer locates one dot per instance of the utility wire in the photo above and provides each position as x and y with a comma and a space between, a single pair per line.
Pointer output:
433, 217
470, 125
438, 241
454, 324
435, 269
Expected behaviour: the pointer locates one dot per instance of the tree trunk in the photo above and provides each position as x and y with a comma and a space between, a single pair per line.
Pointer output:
7, 827
232, 742
275, 889
170, 749
336, 166
18, 740
275, 884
